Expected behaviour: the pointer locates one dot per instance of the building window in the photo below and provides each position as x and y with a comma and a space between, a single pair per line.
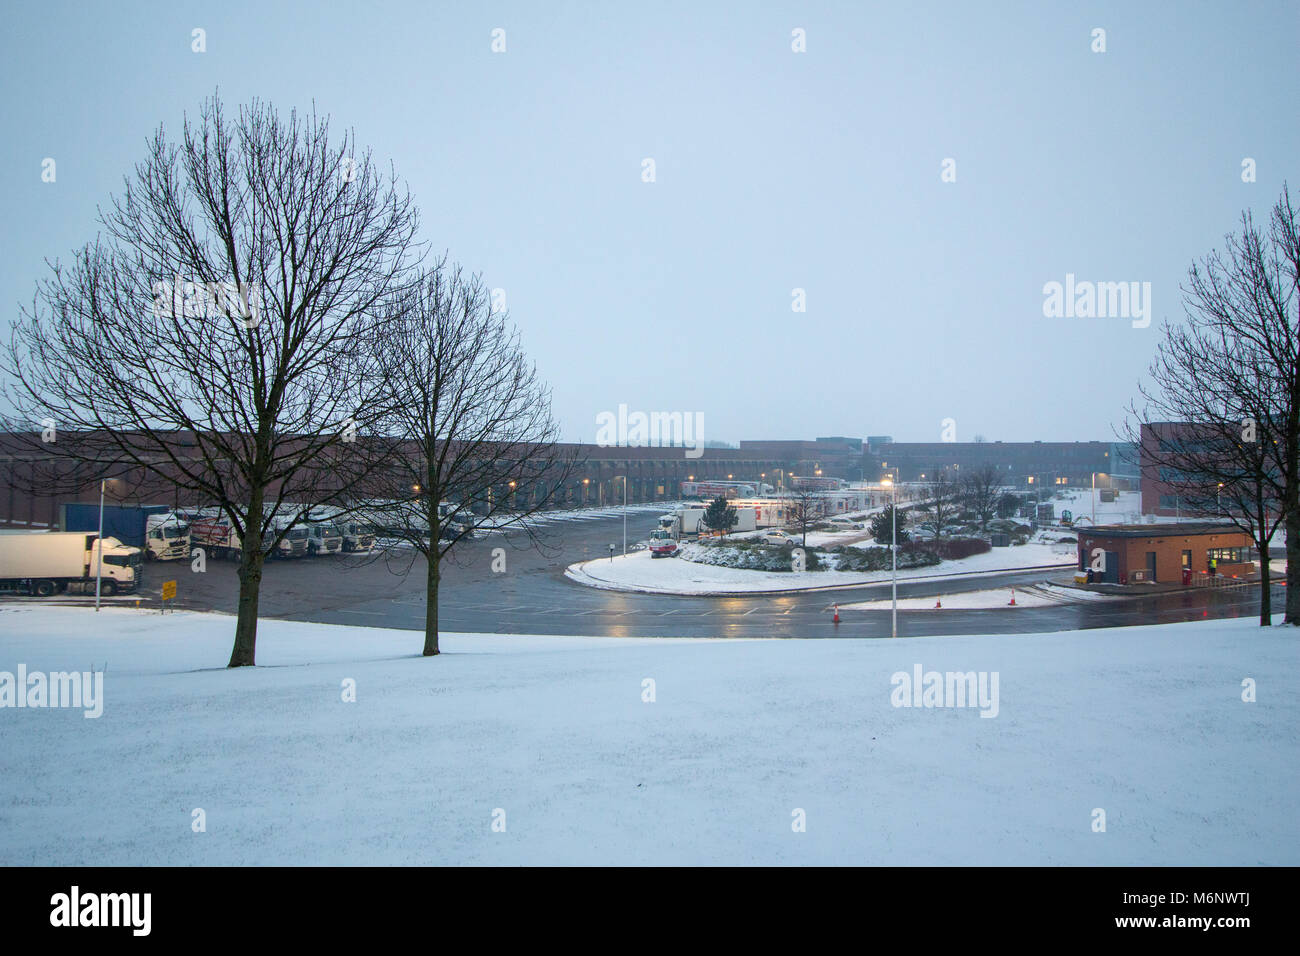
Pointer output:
1229, 555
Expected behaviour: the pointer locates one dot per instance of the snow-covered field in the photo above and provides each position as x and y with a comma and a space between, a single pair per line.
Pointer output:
554, 737
640, 572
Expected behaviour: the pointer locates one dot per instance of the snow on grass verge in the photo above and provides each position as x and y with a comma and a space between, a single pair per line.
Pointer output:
641, 572
1038, 595
1145, 723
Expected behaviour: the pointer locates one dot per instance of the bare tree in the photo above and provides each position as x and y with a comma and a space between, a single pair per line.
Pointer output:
981, 491
213, 334
803, 509
1223, 407
942, 501
471, 441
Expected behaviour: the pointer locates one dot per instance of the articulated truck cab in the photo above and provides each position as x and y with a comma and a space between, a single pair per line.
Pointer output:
167, 537
58, 562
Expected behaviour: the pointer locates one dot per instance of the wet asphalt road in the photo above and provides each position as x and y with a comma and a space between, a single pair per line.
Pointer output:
532, 596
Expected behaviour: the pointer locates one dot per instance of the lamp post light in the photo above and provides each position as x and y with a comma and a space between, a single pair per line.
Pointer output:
99, 544
624, 477
893, 547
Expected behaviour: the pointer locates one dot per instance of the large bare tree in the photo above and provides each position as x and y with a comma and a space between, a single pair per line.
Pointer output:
1223, 406
942, 501
213, 333
981, 492
803, 509
471, 441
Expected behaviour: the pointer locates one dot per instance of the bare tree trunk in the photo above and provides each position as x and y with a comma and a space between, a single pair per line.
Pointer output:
1265, 587
250, 584
1292, 552
431, 602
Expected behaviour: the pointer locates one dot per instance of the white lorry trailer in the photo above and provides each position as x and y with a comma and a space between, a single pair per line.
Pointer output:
688, 521
54, 562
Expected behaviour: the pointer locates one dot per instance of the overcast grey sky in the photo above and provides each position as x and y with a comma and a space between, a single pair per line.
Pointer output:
774, 170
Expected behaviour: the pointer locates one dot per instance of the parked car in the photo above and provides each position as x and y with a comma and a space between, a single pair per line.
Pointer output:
777, 538
843, 522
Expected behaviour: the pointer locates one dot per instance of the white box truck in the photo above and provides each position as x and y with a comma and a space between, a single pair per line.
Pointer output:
54, 562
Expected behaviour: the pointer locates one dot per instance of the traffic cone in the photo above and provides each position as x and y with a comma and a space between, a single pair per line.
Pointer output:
937, 604
1013, 598
837, 614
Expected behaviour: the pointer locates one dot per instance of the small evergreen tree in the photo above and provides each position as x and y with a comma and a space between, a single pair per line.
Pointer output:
881, 528
720, 516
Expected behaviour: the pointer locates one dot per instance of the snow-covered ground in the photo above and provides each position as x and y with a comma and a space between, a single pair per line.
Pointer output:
1125, 509
553, 736
1039, 595
561, 516
641, 572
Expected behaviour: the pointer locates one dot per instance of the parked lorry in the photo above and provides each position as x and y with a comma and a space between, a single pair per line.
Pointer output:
355, 534
688, 521
53, 562
323, 535
214, 532
296, 542
160, 533
358, 536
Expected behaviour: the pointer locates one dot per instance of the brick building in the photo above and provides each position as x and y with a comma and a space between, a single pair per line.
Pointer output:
1037, 464
1160, 552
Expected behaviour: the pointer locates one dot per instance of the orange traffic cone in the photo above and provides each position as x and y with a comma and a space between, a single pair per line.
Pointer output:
1013, 598
937, 604
837, 614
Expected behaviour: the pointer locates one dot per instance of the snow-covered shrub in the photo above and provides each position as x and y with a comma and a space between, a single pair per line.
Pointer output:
750, 556
878, 559
954, 549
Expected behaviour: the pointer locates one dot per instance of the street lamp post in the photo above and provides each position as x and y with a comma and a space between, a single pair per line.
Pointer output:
99, 545
893, 548
1093, 500
624, 477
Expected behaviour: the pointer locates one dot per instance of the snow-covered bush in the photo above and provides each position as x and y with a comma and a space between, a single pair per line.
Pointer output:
877, 559
954, 549
751, 556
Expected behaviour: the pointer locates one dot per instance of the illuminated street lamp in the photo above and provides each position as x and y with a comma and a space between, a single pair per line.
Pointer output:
624, 477
892, 485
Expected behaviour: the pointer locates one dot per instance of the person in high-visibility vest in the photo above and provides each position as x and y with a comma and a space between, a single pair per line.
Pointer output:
1214, 566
